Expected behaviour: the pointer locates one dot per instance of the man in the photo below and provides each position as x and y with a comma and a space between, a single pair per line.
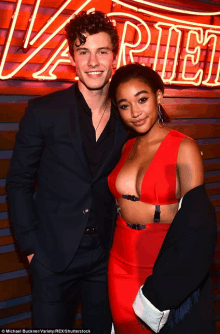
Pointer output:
70, 140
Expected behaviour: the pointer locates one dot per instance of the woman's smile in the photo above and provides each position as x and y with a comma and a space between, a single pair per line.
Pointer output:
138, 105
140, 122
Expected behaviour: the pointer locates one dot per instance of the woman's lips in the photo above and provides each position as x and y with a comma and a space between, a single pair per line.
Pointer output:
140, 122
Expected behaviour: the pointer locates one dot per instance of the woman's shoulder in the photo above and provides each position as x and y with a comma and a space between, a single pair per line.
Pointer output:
189, 165
187, 144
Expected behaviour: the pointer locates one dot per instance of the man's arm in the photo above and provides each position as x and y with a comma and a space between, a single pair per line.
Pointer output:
21, 179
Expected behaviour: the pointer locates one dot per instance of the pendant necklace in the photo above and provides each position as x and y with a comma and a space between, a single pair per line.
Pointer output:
101, 116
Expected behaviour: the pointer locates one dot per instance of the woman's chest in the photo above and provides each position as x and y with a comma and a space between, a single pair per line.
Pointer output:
135, 169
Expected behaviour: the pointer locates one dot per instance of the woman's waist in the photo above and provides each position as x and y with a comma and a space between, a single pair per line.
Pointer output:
138, 245
148, 229
145, 213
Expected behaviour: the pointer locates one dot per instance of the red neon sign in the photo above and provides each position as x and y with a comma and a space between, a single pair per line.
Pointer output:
175, 64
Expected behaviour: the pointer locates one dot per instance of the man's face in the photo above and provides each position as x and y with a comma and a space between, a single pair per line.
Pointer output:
93, 60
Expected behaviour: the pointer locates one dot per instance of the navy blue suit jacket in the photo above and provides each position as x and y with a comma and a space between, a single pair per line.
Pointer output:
49, 147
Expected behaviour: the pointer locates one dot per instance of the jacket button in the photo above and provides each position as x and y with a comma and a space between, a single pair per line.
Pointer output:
85, 211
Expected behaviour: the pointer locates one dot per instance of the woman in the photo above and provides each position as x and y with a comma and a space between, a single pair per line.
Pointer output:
163, 246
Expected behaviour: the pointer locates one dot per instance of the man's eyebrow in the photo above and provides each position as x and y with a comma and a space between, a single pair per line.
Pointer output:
81, 48
104, 47
86, 49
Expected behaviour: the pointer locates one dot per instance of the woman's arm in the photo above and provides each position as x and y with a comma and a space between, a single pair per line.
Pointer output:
189, 166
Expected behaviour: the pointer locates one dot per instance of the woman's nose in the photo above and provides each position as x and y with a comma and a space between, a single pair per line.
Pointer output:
135, 112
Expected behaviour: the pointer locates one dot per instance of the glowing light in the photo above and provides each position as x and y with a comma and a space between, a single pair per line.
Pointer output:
193, 56
52, 76
211, 34
124, 44
144, 11
31, 23
11, 30
176, 10
91, 10
198, 36
53, 17
63, 55
8, 40
171, 29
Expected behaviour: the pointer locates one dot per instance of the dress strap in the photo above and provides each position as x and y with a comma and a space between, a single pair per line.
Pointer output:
132, 198
157, 214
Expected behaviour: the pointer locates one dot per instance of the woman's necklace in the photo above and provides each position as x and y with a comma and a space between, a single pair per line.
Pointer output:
101, 116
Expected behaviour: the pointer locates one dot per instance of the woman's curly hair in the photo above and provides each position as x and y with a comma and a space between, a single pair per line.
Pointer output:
91, 23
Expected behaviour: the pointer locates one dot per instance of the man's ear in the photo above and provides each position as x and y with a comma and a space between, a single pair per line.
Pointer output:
114, 60
72, 59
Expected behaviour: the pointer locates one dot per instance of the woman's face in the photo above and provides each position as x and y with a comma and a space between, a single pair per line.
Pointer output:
138, 105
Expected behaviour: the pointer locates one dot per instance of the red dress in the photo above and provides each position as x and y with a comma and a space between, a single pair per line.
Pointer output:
134, 252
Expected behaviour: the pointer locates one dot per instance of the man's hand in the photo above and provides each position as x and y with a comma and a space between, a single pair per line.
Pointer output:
29, 257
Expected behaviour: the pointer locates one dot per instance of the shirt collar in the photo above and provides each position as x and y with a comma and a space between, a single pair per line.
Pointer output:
82, 101
85, 107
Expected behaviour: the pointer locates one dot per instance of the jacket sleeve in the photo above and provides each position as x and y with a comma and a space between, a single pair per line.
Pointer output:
148, 313
21, 179
185, 260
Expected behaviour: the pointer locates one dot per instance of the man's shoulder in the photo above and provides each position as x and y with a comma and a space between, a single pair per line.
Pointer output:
55, 99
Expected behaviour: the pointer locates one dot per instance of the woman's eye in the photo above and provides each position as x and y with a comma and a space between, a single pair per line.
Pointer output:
143, 99
123, 106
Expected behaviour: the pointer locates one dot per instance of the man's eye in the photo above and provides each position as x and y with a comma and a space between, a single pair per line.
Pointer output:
103, 52
83, 52
143, 99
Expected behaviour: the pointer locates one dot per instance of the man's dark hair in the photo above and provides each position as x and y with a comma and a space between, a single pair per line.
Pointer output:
142, 73
91, 23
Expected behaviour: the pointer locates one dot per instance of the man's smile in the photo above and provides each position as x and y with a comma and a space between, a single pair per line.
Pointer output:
94, 72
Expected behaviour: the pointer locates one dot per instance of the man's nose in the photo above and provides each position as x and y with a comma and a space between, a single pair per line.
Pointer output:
93, 60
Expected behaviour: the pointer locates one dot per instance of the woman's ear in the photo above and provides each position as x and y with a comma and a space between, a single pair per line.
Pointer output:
159, 96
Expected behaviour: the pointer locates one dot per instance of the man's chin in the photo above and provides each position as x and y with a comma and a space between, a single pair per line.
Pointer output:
95, 87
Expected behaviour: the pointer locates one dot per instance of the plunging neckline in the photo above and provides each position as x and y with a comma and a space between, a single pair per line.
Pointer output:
151, 162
